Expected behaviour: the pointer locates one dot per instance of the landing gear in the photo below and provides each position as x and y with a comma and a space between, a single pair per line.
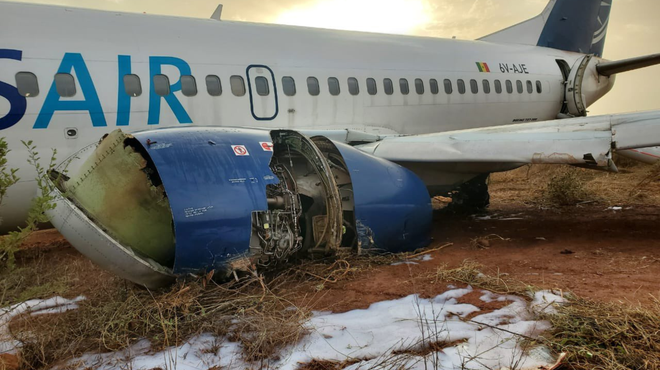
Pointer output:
471, 197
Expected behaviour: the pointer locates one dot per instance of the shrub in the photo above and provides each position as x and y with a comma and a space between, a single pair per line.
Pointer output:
10, 243
566, 188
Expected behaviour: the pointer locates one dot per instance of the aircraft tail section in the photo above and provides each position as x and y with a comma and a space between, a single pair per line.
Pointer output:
578, 26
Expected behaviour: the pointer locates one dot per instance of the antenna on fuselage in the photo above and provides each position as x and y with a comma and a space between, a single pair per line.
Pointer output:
217, 14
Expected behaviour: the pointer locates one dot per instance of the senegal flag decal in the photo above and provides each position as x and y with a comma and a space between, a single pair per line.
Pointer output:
483, 67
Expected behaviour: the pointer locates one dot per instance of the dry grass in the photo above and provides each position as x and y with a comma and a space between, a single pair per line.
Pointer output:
327, 365
34, 279
263, 313
545, 185
255, 312
259, 312
607, 336
594, 335
470, 273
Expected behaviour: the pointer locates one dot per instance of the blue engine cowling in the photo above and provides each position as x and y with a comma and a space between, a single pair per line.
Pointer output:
243, 198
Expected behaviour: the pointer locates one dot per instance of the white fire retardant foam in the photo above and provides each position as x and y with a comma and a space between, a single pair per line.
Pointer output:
387, 333
9, 345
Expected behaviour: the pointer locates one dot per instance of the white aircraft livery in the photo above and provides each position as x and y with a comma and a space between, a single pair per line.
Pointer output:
69, 76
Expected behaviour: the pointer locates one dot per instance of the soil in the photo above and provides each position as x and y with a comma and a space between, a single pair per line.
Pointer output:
605, 255
591, 250
606, 248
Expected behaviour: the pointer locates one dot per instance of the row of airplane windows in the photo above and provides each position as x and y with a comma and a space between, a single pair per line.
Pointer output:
28, 86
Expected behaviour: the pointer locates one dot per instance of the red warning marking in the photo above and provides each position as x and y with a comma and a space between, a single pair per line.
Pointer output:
240, 150
266, 146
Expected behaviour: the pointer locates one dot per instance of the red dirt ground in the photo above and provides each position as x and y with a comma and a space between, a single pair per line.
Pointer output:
615, 256
611, 256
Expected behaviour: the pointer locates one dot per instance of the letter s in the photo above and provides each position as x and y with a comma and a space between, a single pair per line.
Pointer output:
17, 103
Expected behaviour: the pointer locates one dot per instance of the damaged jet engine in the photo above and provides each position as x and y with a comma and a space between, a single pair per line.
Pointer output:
160, 204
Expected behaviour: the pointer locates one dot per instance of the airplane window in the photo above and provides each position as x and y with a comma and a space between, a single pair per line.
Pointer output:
509, 86
434, 86
372, 89
539, 87
262, 86
65, 85
188, 85
333, 86
530, 87
389, 86
213, 85
403, 85
289, 86
448, 87
498, 86
519, 85
486, 86
313, 86
162, 85
132, 85
353, 86
461, 86
237, 85
474, 86
419, 86
27, 84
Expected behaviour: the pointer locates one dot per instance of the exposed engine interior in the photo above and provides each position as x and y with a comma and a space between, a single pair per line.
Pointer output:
311, 209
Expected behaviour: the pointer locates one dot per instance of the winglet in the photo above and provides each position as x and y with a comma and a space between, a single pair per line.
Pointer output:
217, 14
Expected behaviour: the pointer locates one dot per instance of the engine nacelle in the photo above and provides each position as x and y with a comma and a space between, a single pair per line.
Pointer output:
165, 203
585, 85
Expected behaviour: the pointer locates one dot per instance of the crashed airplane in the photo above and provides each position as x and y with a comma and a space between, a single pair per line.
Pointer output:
172, 202
254, 143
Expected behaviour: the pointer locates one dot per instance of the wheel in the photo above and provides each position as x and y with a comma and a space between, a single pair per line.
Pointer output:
472, 196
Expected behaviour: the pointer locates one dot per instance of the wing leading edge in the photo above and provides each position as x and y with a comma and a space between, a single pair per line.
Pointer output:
585, 141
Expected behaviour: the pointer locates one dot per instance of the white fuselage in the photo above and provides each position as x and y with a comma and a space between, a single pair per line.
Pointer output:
99, 48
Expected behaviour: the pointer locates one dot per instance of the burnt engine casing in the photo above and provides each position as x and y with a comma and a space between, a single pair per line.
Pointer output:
172, 202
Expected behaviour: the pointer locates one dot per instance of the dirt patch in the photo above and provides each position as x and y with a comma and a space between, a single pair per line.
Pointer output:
47, 266
327, 365
44, 239
592, 251
371, 285
474, 298
9, 362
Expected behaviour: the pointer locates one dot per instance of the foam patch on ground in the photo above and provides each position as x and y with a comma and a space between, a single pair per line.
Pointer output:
9, 345
390, 333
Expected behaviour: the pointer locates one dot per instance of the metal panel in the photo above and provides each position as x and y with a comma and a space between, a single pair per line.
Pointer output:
101, 248
392, 206
214, 178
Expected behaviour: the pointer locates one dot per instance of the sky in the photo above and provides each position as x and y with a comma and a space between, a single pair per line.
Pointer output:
633, 31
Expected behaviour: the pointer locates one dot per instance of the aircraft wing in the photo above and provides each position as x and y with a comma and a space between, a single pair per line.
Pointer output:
585, 141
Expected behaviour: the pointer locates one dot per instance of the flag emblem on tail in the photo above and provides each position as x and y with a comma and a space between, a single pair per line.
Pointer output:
483, 67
